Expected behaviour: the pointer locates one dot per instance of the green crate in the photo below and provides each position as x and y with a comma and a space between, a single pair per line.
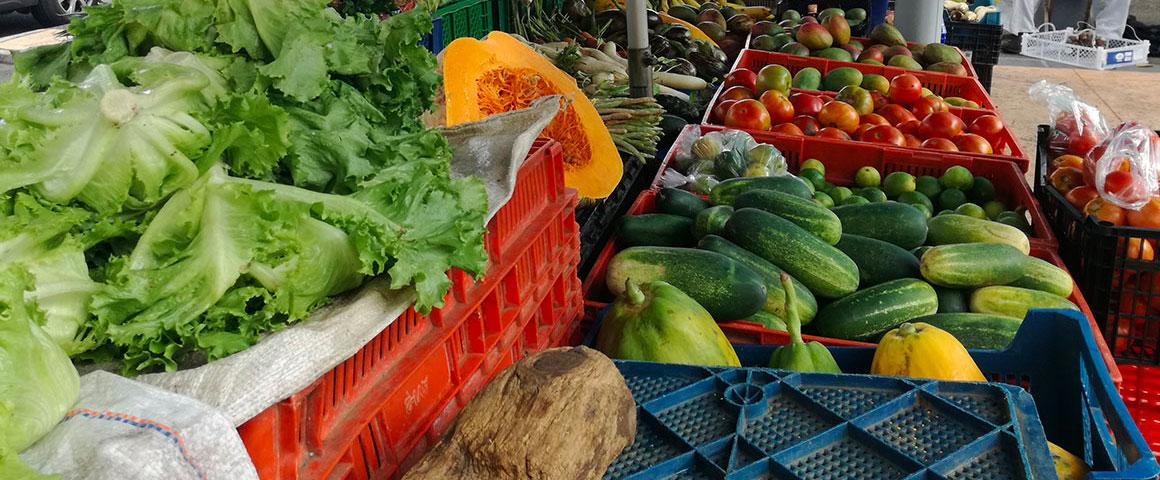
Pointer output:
466, 18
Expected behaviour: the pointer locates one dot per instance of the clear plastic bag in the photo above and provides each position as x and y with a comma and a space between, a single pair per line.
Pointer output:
700, 162
1077, 126
1123, 168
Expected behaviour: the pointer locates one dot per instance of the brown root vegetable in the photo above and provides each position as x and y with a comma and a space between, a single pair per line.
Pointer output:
561, 413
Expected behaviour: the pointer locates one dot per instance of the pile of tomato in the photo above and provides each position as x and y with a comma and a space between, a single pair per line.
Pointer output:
906, 116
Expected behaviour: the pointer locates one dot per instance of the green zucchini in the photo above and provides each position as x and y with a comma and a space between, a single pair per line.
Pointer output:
869, 313
1039, 274
972, 265
675, 201
825, 270
893, 222
711, 221
953, 300
955, 228
878, 261
725, 192
807, 305
768, 320
727, 289
804, 213
1015, 301
976, 330
656, 230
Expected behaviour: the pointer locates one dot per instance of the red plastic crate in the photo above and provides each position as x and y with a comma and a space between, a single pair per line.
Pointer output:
363, 418
843, 159
1141, 394
966, 63
596, 297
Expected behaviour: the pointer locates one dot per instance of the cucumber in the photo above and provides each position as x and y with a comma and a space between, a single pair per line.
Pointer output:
976, 330
656, 230
955, 228
953, 300
918, 252
727, 289
807, 214
1039, 274
972, 265
807, 305
878, 261
869, 313
711, 221
1015, 301
679, 202
825, 270
768, 320
893, 222
725, 192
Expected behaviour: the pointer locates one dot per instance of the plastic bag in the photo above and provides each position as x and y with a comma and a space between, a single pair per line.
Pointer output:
1077, 126
1123, 168
701, 161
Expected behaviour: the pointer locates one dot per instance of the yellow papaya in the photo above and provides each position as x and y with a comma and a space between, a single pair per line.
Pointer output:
921, 350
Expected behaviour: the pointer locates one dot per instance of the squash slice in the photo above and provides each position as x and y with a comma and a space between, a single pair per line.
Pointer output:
500, 74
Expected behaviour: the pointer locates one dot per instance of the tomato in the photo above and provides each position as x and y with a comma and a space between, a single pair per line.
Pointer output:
1118, 182
874, 119
1140, 249
941, 125
1082, 143
808, 125
737, 93
969, 142
880, 100
857, 97
911, 140
940, 144
778, 105
787, 129
988, 127
928, 105
1079, 196
741, 77
1066, 178
1147, 216
862, 129
884, 134
1067, 161
1104, 211
905, 89
839, 115
747, 114
721, 109
910, 126
831, 132
895, 114
806, 104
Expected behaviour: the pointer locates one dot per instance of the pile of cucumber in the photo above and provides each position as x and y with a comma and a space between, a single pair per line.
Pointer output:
860, 269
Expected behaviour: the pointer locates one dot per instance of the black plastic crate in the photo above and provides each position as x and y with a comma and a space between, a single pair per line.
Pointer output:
985, 72
597, 221
1122, 290
980, 39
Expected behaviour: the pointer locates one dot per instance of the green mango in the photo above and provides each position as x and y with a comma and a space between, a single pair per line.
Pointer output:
656, 322
799, 356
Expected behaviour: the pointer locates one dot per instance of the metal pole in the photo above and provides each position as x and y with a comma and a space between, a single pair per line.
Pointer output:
639, 58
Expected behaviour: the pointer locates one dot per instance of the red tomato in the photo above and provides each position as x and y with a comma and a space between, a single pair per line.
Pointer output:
1105, 211
1118, 182
940, 144
806, 104
1082, 143
747, 115
721, 109
912, 140
895, 114
787, 129
1065, 179
737, 93
969, 142
741, 77
874, 119
884, 134
941, 125
928, 105
1147, 216
905, 89
988, 127
880, 100
862, 129
831, 132
778, 105
839, 115
910, 126
808, 125
1079, 197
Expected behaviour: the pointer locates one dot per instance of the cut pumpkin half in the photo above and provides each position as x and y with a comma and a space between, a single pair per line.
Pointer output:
500, 74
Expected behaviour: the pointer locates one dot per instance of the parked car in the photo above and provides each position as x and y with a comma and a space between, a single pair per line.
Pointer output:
47, 12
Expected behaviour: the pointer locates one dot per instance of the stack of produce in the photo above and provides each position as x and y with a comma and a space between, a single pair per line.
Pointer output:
961, 11
869, 108
727, 24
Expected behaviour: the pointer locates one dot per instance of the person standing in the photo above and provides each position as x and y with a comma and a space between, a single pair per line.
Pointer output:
1018, 17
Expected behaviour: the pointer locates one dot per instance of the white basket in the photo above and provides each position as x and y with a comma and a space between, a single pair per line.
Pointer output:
1053, 46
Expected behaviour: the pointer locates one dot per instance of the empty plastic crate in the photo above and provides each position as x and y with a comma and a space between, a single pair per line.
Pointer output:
464, 18
981, 39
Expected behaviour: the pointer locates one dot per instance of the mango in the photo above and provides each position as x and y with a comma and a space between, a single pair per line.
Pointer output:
808, 78
814, 36
834, 53
838, 28
902, 61
938, 53
795, 48
947, 67
841, 77
886, 34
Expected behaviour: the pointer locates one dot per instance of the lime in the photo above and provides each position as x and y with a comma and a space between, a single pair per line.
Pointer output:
814, 164
813, 176
994, 208
982, 191
927, 185
915, 198
898, 183
841, 193
957, 177
867, 177
922, 208
855, 200
872, 194
821, 198
951, 198
971, 210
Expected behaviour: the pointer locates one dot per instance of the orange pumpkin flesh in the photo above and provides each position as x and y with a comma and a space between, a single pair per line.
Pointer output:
500, 74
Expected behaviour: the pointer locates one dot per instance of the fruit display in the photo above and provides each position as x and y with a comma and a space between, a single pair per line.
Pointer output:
726, 23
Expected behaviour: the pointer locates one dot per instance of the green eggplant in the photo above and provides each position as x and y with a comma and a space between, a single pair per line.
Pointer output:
800, 356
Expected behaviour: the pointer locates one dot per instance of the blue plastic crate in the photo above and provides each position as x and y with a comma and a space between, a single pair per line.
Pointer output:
1054, 357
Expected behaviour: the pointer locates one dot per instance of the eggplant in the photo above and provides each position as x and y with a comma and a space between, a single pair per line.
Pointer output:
578, 9
612, 21
678, 33
659, 46
679, 50
683, 67
652, 18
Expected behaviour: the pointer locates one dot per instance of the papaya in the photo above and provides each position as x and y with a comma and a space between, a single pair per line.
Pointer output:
920, 350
